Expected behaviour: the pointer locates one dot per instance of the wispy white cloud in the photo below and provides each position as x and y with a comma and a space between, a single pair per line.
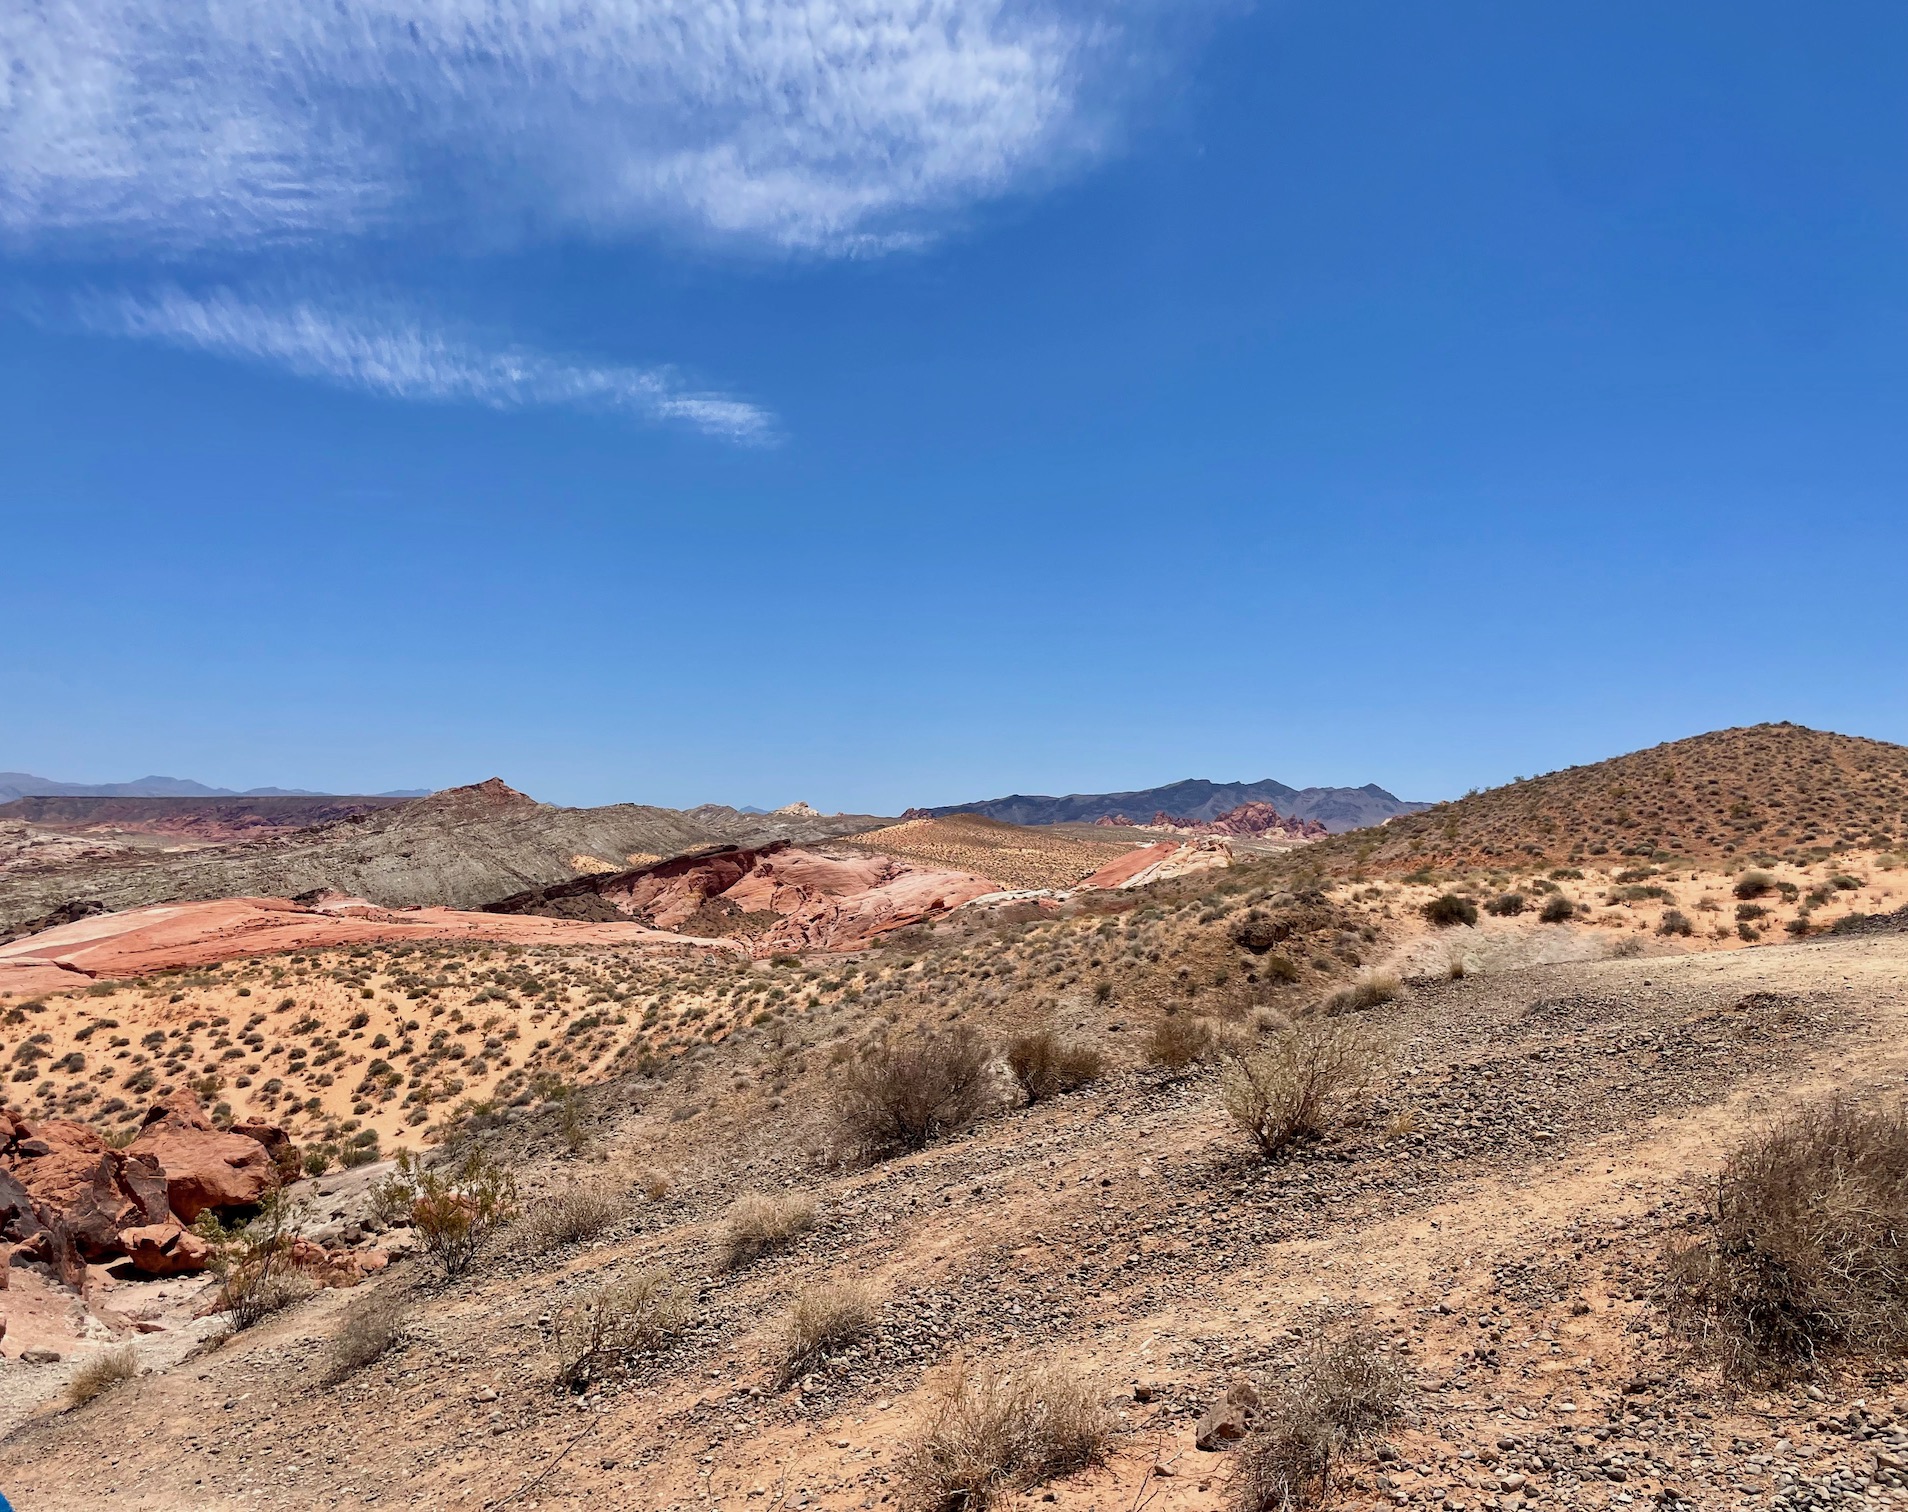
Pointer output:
399, 355
823, 125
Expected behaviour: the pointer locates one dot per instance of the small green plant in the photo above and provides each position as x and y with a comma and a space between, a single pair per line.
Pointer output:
454, 1207
254, 1263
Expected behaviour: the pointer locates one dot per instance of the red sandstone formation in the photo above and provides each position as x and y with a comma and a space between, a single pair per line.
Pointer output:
823, 902
1248, 820
68, 1199
167, 935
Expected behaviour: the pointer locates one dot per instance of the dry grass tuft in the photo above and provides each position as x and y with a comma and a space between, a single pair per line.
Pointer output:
993, 1432
1367, 992
571, 1216
1337, 1397
1180, 1040
761, 1222
592, 1333
902, 1094
1806, 1257
1299, 1086
370, 1331
822, 1319
101, 1372
1046, 1065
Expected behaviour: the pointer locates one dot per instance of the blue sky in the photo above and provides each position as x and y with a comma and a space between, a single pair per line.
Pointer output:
883, 403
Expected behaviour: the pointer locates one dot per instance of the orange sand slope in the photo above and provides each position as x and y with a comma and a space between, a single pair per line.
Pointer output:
166, 935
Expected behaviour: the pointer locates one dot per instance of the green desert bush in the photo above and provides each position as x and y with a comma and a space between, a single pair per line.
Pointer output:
1557, 909
1449, 909
454, 1207
254, 1262
1506, 905
1754, 884
1675, 922
994, 1433
1804, 1260
1046, 1065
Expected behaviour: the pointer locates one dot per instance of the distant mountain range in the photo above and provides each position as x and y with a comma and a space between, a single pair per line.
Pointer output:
1338, 809
25, 785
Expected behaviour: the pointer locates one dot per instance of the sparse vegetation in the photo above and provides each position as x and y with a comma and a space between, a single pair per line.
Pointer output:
592, 1333
1046, 1065
1367, 992
1179, 1040
1557, 909
903, 1095
254, 1263
993, 1433
1675, 922
454, 1208
761, 1222
1506, 905
371, 1329
821, 1320
572, 1215
1299, 1086
1450, 909
1803, 1261
1339, 1394
100, 1372
1754, 884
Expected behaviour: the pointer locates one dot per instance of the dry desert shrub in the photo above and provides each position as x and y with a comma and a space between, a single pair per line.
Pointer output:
570, 1216
1046, 1065
1807, 1255
1450, 909
369, 1332
903, 1094
655, 1185
821, 1320
1180, 1040
594, 1331
1557, 909
993, 1432
761, 1222
1299, 1085
454, 1208
100, 1373
255, 1263
1340, 1394
1367, 992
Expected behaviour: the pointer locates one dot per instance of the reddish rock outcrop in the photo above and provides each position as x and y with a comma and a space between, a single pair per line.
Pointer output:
67, 1199
1251, 820
205, 1166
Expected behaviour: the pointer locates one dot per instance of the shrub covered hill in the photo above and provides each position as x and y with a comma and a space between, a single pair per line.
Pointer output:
1771, 790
